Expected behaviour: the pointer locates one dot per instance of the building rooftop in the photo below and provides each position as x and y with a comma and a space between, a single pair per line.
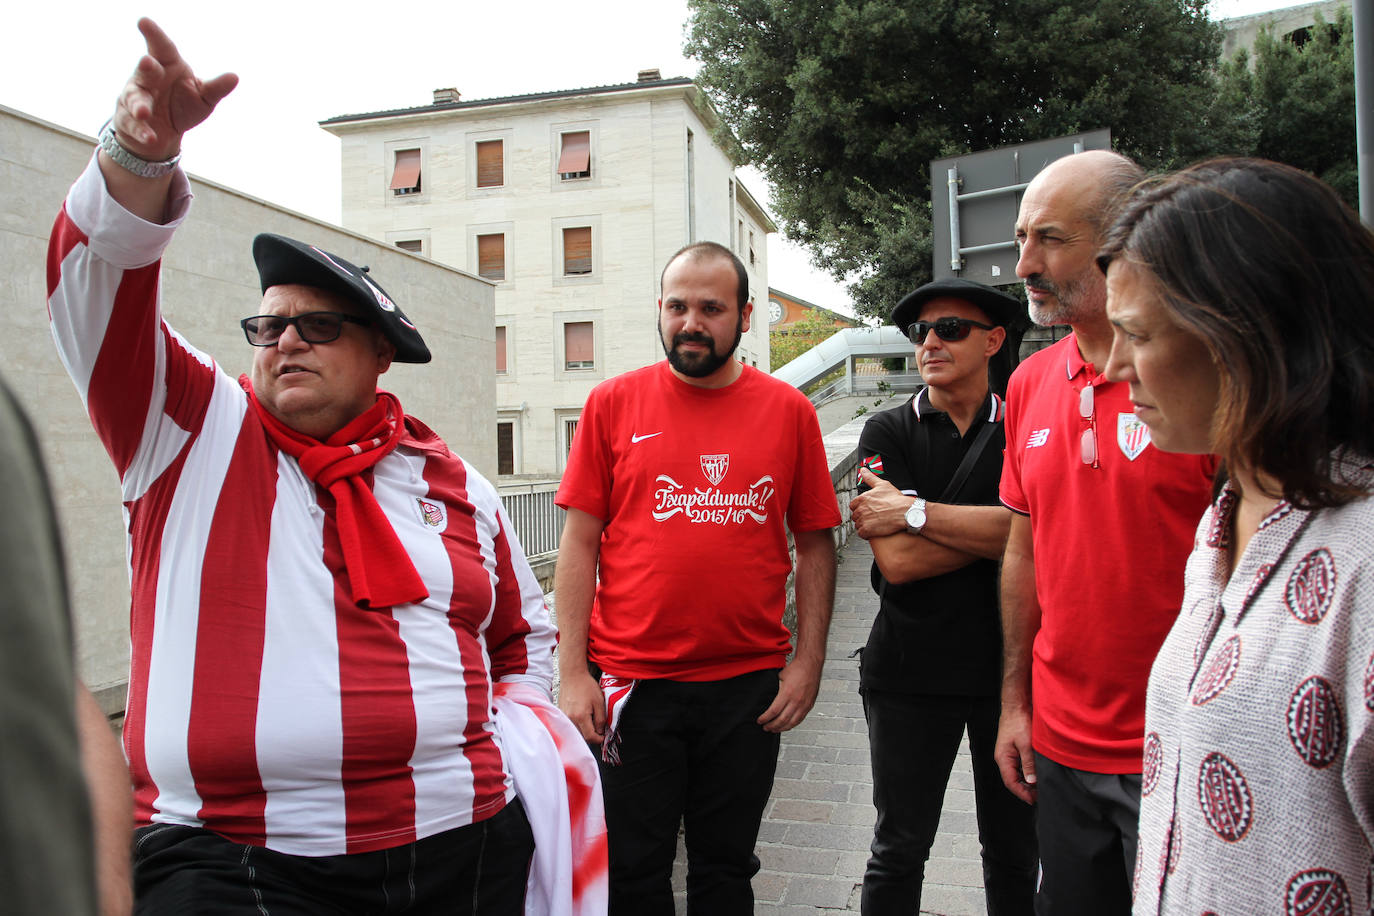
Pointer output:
449, 100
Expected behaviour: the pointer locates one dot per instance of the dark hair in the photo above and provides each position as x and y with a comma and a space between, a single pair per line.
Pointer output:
702, 250
1275, 274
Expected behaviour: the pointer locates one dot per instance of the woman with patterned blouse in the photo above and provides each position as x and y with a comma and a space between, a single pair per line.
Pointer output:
1242, 298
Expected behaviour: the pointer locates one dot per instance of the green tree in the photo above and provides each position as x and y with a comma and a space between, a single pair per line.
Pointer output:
786, 344
1295, 103
843, 103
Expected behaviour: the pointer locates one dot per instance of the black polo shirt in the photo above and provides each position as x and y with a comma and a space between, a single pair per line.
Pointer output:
941, 635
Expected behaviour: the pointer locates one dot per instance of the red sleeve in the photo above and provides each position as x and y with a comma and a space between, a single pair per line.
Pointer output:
587, 479
1009, 490
812, 505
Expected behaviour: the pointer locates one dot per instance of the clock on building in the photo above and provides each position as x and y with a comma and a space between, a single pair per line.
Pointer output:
774, 311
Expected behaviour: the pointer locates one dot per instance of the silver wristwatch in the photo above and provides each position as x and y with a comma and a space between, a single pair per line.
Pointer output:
126, 160
916, 516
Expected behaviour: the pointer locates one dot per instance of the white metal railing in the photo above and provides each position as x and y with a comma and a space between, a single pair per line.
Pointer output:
537, 521
865, 384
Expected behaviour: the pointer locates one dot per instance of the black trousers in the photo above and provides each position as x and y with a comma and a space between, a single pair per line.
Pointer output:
477, 870
913, 740
691, 753
1087, 824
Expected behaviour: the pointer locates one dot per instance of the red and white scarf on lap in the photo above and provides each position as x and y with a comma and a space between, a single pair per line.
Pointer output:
617, 691
380, 573
557, 780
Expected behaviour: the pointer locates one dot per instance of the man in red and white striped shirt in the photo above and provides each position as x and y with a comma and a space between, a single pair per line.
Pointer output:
323, 594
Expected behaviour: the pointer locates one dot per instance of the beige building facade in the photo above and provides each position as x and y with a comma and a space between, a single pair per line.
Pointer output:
1289, 22
570, 202
209, 283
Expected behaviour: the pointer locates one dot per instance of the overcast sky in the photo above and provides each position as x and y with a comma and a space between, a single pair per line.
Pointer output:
301, 61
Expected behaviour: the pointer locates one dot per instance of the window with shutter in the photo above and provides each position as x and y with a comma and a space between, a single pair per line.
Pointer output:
491, 171
405, 177
491, 256
578, 349
577, 251
575, 159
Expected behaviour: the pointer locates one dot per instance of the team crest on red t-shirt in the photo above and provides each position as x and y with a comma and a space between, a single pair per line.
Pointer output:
1131, 435
714, 467
711, 504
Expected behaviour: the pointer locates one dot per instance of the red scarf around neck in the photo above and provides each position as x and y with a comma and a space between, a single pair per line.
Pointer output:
380, 572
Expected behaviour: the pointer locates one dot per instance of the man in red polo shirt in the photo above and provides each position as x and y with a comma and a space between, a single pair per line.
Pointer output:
1092, 576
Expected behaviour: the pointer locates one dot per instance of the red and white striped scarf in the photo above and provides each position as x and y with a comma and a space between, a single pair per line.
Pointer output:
617, 691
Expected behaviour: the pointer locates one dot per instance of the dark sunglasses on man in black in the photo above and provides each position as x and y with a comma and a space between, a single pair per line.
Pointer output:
949, 329
313, 327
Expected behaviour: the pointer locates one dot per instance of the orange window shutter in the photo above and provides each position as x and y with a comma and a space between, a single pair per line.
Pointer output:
577, 250
501, 349
407, 172
491, 256
577, 153
491, 171
577, 344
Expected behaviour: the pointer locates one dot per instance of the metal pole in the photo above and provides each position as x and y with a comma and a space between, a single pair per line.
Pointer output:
956, 263
1362, 13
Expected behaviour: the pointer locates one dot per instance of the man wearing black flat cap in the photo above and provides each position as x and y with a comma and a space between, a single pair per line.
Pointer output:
928, 507
328, 607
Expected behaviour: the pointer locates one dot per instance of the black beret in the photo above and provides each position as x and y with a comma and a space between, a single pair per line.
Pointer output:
282, 260
1002, 309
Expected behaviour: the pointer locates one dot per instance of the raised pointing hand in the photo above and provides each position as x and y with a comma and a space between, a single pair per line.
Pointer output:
164, 98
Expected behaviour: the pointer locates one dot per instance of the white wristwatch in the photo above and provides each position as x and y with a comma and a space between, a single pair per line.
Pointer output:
916, 516
126, 160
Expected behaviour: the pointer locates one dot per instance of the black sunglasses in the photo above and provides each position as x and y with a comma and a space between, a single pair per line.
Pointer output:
950, 329
313, 327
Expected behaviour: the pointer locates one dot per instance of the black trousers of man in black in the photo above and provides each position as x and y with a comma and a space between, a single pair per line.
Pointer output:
913, 740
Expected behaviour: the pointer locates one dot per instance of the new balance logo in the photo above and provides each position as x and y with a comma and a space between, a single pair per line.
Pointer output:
1038, 437
637, 438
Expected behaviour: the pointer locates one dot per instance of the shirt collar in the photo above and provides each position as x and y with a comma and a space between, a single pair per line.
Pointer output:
1074, 361
1076, 365
994, 408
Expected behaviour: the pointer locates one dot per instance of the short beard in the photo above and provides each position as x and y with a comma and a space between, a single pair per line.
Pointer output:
694, 366
1071, 298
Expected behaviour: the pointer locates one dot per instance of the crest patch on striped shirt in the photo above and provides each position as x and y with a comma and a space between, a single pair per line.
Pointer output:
432, 514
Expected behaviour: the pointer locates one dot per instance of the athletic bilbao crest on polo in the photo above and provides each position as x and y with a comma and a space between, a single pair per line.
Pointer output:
1131, 435
714, 467
432, 514
713, 504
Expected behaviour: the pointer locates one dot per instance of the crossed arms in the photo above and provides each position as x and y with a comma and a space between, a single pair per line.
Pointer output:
953, 537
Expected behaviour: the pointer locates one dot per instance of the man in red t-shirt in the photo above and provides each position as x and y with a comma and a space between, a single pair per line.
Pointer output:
1092, 576
683, 482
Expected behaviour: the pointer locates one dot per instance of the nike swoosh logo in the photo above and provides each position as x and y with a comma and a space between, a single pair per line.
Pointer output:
634, 438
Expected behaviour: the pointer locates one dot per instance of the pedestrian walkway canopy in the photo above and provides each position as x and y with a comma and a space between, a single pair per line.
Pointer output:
842, 349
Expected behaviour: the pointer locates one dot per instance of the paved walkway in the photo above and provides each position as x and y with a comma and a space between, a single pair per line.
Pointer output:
814, 839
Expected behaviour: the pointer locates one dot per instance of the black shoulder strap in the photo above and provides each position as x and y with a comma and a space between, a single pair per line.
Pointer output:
970, 459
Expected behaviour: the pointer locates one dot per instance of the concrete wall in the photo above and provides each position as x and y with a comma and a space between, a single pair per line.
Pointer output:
637, 202
1241, 31
209, 283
